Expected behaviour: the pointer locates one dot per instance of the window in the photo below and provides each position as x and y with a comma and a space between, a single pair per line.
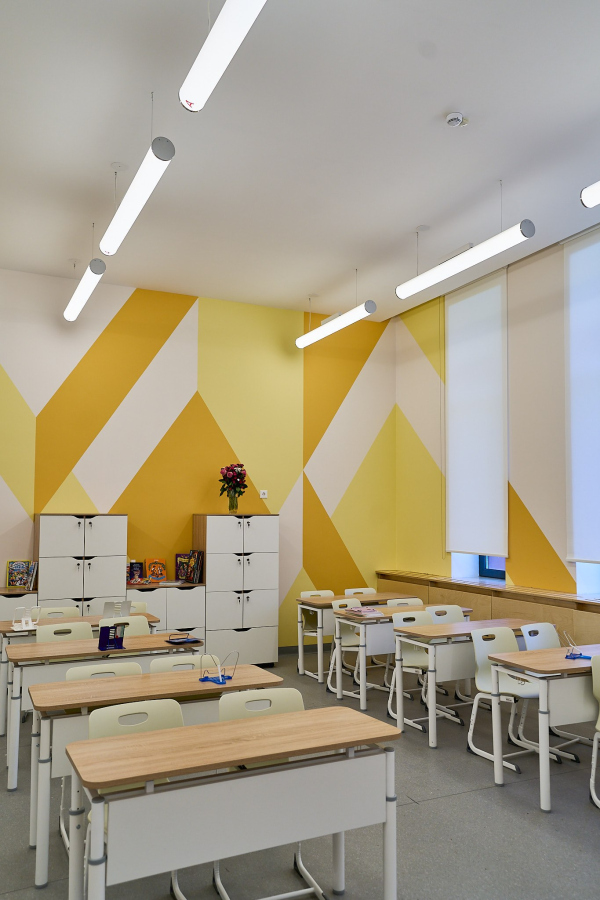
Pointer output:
492, 567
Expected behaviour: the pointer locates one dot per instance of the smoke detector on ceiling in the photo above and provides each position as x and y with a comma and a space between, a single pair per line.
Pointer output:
456, 118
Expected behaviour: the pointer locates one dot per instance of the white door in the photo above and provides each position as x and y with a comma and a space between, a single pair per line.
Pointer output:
106, 535
61, 536
255, 645
185, 607
224, 534
261, 534
261, 608
60, 578
224, 609
261, 570
155, 600
224, 572
105, 576
95, 606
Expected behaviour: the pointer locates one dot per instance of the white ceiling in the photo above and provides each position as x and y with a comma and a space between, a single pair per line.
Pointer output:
321, 150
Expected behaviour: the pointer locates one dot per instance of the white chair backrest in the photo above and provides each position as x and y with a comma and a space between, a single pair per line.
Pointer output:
133, 624
317, 594
123, 608
72, 631
131, 718
343, 604
264, 702
486, 641
445, 615
350, 591
417, 617
55, 612
179, 662
103, 670
405, 601
541, 636
139, 606
109, 608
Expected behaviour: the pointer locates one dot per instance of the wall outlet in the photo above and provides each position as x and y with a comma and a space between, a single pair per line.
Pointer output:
264, 495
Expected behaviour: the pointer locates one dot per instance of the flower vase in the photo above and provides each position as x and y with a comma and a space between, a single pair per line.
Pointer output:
233, 502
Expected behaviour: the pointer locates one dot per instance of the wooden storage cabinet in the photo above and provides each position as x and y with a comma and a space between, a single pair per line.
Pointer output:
241, 565
105, 576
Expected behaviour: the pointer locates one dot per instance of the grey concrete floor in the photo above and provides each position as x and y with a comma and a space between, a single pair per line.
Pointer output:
459, 836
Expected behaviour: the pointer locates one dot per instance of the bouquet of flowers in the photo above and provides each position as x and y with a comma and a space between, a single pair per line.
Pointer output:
233, 483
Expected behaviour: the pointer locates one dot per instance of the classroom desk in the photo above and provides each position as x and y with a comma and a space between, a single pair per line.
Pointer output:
450, 658
35, 663
565, 687
325, 622
372, 641
8, 634
166, 827
61, 712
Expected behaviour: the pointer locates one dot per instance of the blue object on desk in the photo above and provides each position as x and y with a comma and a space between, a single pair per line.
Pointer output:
573, 655
111, 637
215, 678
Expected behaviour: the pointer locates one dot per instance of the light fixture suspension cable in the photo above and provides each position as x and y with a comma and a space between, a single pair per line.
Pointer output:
93, 241
356, 287
151, 116
501, 216
115, 190
417, 233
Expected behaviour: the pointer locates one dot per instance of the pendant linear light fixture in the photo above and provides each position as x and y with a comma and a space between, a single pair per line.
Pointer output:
590, 195
336, 323
494, 245
224, 40
84, 289
148, 175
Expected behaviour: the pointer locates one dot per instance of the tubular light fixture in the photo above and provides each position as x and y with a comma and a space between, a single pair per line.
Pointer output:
502, 241
336, 323
148, 175
590, 196
224, 39
84, 289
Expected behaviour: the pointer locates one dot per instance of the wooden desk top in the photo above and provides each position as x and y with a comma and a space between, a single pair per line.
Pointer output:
460, 629
7, 627
58, 650
127, 759
154, 686
16, 591
548, 662
362, 599
387, 617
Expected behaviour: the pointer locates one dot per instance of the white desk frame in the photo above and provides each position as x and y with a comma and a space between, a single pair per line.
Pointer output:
563, 700
324, 620
157, 819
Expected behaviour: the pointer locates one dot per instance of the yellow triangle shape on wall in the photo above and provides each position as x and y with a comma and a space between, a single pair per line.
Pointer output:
70, 498
427, 325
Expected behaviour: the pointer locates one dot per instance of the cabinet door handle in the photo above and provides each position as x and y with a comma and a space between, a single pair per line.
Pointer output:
79, 523
239, 561
90, 523
89, 566
248, 560
239, 523
247, 597
239, 599
78, 565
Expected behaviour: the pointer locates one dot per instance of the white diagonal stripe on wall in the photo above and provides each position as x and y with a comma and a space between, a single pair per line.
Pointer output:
143, 418
419, 393
290, 539
16, 528
361, 416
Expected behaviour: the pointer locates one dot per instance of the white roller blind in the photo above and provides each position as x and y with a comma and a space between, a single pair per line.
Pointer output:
582, 284
476, 419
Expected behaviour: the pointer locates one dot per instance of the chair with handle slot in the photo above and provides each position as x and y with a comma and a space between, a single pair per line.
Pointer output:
134, 625
67, 631
55, 612
179, 662
356, 592
405, 601
350, 641
414, 659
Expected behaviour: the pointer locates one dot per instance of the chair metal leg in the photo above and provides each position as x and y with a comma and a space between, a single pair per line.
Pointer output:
593, 793
477, 750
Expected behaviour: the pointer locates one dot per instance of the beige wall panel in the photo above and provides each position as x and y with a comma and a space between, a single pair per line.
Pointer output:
560, 616
481, 604
419, 590
586, 627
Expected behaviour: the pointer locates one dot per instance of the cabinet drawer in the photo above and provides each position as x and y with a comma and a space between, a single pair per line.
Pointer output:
60, 578
105, 576
61, 536
224, 609
261, 571
185, 607
105, 535
224, 572
155, 600
255, 645
261, 534
224, 534
261, 608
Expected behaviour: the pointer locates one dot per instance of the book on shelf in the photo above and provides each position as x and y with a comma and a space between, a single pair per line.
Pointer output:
156, 569
135, 574
33, 567
195, 566
181, 565
17, 572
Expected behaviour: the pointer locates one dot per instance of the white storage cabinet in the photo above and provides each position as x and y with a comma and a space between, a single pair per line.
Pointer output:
241, 565
81, 558
177, 606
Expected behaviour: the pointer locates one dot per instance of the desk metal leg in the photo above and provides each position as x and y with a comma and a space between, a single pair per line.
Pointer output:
399, 686
497, 728
320, 645
362, 664
390, 874
544, 746
339, 864
76, 832
431, 696
96, 855
300, 642
33, 798
43, 806
338, 659
3, 687
8, 707
15, 729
